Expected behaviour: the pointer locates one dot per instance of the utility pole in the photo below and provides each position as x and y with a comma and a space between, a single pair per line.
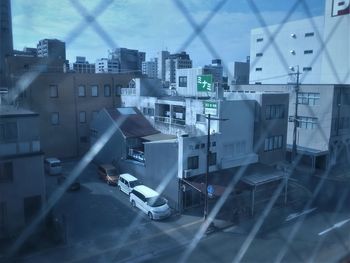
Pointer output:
295, 119
207, 171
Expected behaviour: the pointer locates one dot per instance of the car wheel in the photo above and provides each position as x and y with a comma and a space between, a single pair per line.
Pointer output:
133, 203
150, 215
120, 189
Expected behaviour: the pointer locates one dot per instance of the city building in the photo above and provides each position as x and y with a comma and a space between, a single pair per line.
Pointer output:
51, 48
248, 134
162, 56
323, 132
315, 46
83, 66
130, 60
238, 72
6, 43
22, 181
105, 65
149, 68
174, 62
66, 103
26, 52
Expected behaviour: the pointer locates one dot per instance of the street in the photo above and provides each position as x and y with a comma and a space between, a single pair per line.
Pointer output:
101, 226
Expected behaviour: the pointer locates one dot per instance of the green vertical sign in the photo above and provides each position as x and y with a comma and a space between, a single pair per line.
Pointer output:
210, 107
204, 82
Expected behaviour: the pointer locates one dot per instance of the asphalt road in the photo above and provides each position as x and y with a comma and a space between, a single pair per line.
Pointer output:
101, 226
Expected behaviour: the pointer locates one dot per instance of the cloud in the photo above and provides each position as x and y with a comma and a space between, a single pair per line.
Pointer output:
147, 25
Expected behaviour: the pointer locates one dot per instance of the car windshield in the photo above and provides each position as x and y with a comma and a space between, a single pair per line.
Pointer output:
156, 201
134, 183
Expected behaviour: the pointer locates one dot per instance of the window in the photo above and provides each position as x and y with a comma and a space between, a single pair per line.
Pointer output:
274, 112
93, 133
8, 131
259, 39
273, 143
192, 162
259, 54
107, 90
258, 69
308, 98
308, 123
6, 172
81, 91
307, 68
148, 111
309, 34
310, 51
183, 81
212, 159
82, 117
94, 91
53, 91
55, 119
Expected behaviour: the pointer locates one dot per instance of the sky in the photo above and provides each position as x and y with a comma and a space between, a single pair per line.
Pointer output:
91, 28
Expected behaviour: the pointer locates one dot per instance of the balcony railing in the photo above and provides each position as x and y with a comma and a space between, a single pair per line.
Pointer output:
168, 120
128, 91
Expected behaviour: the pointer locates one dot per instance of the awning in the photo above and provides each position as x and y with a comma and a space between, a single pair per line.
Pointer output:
158, 137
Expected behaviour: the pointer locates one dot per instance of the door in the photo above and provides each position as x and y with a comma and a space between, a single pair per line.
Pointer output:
31, 206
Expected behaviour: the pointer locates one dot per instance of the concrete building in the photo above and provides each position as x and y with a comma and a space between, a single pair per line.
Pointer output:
130, 60
238, 73
67, 102
6, 43
295, 43
26, 52
83, 66
51, 48
149, 68
105, 65
174, 62
22, 181
186, 82
162, 56
323, 134
249, 135
319, 46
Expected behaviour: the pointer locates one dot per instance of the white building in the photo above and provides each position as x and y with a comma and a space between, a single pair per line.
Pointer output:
149, 68
319, 46
105, 65
162, 56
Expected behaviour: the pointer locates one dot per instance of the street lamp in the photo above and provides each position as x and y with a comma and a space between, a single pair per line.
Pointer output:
295, 118
209, 118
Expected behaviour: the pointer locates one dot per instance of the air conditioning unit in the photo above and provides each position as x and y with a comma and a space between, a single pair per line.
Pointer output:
187, 173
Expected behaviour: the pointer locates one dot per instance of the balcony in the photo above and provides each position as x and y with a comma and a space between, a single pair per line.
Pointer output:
128, 91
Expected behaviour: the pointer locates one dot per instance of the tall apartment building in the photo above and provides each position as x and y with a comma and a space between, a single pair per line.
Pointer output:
83, 66
149, 68
162, 56
238, 72
174, 62
318, 46
105, 65
130, 60
6, 43
22, 181
52, 48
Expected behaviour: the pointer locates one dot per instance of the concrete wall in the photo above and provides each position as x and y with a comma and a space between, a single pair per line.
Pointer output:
161, 169
28, 180
276, 47
115, 149
336, 63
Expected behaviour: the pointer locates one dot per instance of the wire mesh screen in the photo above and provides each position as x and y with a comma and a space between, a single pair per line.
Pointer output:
295, 212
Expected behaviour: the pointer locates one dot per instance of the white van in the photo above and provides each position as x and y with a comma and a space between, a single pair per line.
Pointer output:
127, 182
150, 202
53, 166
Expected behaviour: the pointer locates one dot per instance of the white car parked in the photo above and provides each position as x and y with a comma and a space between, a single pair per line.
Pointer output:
127, 182
150, 202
